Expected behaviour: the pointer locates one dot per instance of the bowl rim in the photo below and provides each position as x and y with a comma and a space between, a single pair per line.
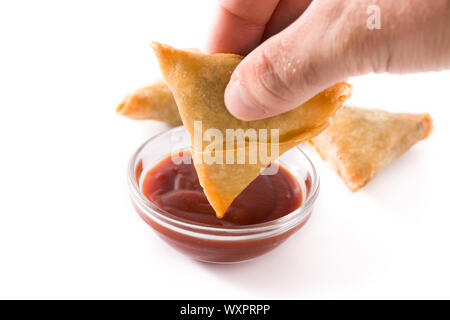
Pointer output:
296, 216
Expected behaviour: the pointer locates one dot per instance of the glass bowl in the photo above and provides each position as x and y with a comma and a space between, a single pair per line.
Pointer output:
218, 244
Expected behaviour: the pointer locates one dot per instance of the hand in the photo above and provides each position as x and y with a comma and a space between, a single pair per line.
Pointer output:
297, 48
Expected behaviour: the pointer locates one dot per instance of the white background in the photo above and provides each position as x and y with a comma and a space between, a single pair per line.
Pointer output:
67, 229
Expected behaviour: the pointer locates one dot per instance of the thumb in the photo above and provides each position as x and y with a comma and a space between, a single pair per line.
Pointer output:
284, 72
331, 42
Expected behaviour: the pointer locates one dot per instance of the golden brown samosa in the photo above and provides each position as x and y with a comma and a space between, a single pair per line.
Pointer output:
198, 83
361, 142
154, 102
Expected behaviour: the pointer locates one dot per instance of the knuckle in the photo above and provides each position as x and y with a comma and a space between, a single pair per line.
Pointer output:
272, 76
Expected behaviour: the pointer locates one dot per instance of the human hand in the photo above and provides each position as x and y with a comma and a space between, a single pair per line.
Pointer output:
297, 48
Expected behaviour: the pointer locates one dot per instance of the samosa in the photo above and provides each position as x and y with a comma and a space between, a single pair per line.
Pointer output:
361, 142
154, 102
197, 82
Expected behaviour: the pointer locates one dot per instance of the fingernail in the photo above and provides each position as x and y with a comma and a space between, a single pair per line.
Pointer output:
239, 104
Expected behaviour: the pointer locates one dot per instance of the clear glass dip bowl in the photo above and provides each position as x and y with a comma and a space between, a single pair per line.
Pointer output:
218, 244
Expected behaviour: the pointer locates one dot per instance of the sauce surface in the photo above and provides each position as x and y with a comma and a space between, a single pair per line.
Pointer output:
176, 189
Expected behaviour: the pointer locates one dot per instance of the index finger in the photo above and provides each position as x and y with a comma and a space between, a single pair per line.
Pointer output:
239, 25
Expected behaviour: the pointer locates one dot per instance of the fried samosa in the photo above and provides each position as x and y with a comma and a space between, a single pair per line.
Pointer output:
359, 143
198, 83
154, 102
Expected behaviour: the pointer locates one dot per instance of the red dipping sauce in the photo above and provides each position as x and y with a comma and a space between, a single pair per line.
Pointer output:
183, 217
175, 189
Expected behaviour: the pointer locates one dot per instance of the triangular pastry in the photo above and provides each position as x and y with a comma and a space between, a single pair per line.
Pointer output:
361, 142
198, 83
154, 102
